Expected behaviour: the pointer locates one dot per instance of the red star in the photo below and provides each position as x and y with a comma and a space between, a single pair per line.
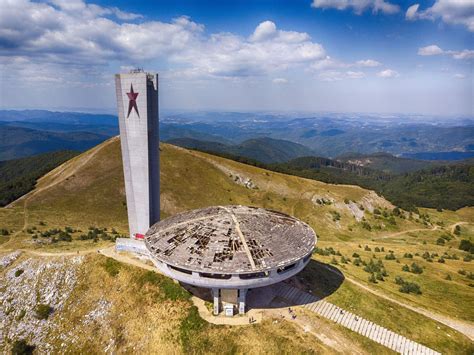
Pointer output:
132, 103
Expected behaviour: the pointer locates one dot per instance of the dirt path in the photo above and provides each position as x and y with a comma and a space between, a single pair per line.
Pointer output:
454, 225
461, 326
396, 234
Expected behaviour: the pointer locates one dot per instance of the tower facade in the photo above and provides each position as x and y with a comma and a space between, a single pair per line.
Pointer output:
137, 104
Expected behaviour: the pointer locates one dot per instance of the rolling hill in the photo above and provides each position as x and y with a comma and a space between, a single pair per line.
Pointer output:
265, 150
110, 305
16, 142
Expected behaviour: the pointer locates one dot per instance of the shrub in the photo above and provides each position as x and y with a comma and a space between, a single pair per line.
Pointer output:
408, 256
466, 245
366, 225
410, 287
377, 249
390, 256
406, 268
462, 272
467, 258
448, 277
379, 276
367, 248
21, 347
43, 311
416, 269
18, 272
355, 255
334, 261
399, 280
440, 241
441, 260
457, 230
112, 267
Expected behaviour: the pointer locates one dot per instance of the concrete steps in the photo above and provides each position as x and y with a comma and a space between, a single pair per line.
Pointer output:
353, 322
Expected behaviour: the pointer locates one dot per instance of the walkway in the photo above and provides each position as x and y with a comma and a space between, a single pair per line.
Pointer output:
349, 320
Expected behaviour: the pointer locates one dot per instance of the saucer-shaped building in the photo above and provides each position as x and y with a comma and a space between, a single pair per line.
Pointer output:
230, 249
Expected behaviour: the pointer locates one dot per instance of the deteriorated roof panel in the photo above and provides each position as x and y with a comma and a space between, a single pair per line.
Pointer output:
230, 239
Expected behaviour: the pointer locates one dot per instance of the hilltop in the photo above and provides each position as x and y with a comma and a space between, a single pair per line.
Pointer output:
109, 306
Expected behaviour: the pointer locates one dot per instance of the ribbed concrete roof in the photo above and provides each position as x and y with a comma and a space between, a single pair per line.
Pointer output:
230, 239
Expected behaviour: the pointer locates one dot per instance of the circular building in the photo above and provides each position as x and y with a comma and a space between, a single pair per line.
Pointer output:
230, 249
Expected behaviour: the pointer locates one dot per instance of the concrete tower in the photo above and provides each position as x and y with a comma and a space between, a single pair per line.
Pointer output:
137, 102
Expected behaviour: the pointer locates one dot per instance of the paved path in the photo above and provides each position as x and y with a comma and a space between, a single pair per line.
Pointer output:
459, 325
349, 320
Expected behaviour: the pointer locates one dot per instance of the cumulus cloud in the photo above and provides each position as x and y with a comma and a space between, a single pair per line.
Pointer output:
358, 6
75, 33
454, 12
430, 50
412, 12
459, 76
388, 73
436, 50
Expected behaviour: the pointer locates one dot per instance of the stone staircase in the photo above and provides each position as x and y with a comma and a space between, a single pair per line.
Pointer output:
351, 321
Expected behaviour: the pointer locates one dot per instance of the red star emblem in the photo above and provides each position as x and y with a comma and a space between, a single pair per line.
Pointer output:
132, 101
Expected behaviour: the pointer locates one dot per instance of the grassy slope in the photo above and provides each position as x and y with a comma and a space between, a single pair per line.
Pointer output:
94, 195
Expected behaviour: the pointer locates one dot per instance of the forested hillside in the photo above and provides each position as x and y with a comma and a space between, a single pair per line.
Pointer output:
18, 176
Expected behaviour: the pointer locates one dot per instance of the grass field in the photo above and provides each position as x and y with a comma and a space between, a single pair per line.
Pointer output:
88, 191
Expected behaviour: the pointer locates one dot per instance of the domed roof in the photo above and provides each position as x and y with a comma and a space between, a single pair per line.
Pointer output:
230, 239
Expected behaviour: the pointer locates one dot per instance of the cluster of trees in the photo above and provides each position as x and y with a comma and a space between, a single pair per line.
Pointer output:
95, 233
407, 286
18, 176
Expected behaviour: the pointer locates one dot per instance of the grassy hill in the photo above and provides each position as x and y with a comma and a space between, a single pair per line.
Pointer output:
265, 150
88, 191
404, 182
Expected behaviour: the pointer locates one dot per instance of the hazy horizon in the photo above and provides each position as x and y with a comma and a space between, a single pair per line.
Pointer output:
309, 56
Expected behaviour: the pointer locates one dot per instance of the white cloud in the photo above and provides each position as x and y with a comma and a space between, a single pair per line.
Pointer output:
265, 30
459, 76
464, 54
355, 74
411, 12
280, 81
358, 6
388, 73
76, 33
330, 63
436, 50
454, 12
430, 50
368, 63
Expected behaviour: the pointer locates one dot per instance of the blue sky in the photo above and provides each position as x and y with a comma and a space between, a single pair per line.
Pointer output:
315, 55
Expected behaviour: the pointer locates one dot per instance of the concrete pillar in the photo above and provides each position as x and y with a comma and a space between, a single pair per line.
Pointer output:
242, 295
217, 299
